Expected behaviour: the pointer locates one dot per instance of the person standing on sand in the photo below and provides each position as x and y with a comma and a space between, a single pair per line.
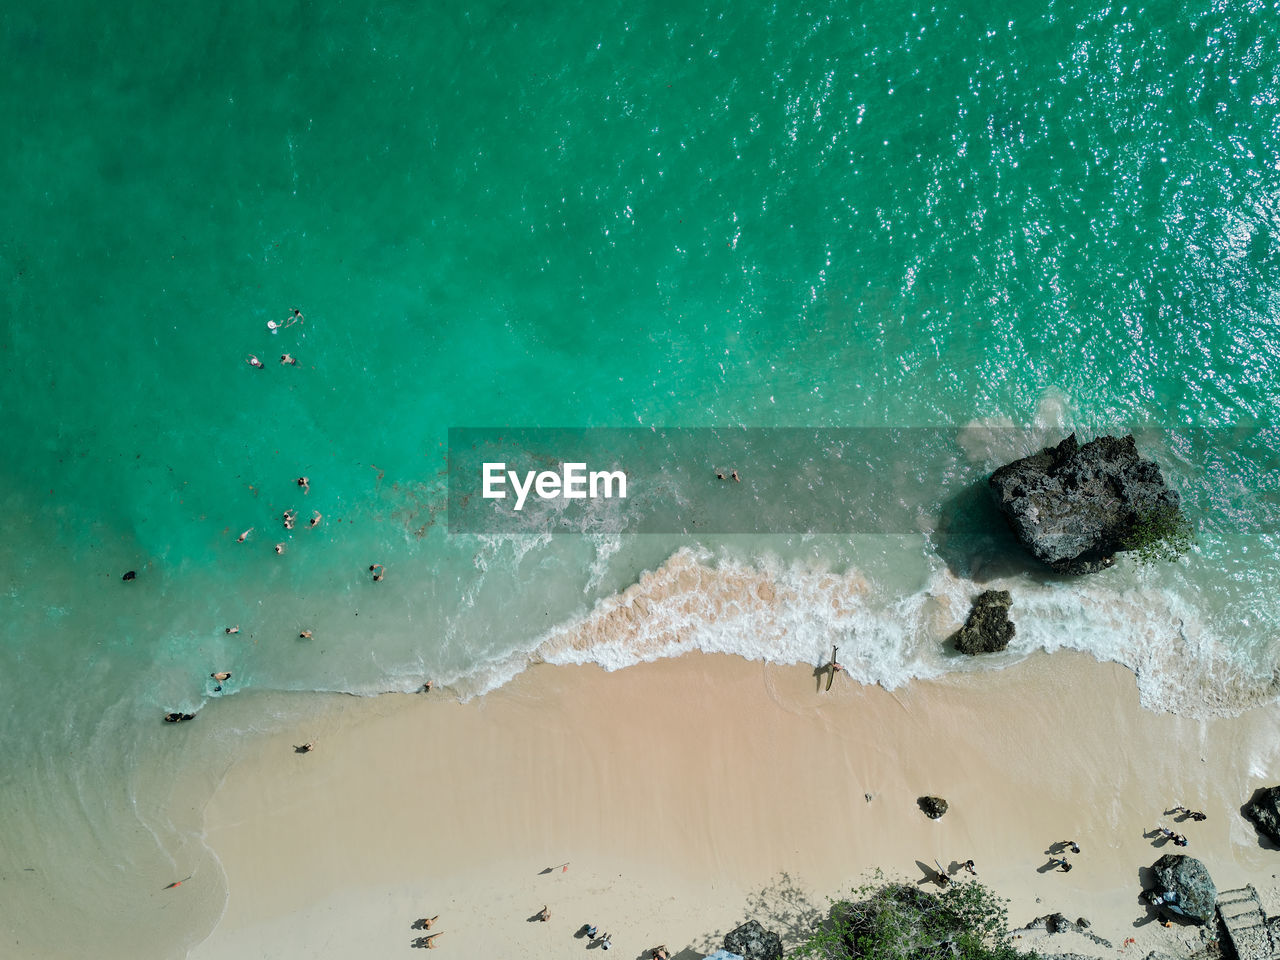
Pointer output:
968, 865
430, 942
426, 922
660, 953
1064, 844
545, 914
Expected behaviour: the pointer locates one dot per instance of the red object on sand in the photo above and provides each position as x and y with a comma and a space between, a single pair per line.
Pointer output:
565, 869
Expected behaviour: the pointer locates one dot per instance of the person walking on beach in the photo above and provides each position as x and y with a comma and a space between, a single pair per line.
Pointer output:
544, 915
1068, 844
429, 942
968, 865
1166, 832
1061, 863
660, 953
426, 922
305, 748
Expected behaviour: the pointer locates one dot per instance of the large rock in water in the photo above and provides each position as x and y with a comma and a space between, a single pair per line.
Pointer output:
1263, 809
988, 629
1188, 878
753, 942
1073, 506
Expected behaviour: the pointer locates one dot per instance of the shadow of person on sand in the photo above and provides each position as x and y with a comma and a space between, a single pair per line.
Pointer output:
1157, 838
1048, 867
931, 875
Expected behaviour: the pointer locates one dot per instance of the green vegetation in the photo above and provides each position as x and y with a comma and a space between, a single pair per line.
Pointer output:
898, 921
1163, 535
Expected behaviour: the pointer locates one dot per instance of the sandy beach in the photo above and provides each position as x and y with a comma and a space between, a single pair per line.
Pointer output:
688, 795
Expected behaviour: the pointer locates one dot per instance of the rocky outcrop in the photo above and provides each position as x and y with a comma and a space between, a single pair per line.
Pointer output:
753, 942
1074, 506
1263, 809
988, 629
1193, 894
933, 807
1055, 923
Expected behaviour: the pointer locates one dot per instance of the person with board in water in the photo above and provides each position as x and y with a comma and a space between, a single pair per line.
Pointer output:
833, 667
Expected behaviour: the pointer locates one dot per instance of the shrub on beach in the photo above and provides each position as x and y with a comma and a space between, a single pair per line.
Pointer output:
898, 921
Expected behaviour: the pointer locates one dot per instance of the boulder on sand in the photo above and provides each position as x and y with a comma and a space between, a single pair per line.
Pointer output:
1263, 809
1194, 895
753, 942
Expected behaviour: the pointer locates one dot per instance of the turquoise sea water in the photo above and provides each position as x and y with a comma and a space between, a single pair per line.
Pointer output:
823, 215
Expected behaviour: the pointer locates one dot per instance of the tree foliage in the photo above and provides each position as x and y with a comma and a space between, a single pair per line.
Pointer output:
1161, 536
897, 921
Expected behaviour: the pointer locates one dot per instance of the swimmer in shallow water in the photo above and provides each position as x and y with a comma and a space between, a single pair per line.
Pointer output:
280, 548
305, 484
255, 362
289, 517
376, 570
244, 536
288, 359
316, 518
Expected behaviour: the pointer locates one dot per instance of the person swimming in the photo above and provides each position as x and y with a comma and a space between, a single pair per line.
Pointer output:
255, 362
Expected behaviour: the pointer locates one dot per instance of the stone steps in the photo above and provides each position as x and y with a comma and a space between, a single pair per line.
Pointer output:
1246, 924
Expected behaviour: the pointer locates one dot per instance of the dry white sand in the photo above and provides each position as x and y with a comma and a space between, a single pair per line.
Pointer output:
688, 795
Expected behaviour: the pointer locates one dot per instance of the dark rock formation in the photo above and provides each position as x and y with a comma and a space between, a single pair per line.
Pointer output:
933, 807
1194, 895
753, 942
1058, 923
1074, 506
1263, 809
988, 629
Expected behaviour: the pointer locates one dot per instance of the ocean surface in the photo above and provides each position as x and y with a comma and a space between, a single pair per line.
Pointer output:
824, 215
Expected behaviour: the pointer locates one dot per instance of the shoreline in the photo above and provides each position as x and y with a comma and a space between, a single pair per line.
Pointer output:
690, 794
